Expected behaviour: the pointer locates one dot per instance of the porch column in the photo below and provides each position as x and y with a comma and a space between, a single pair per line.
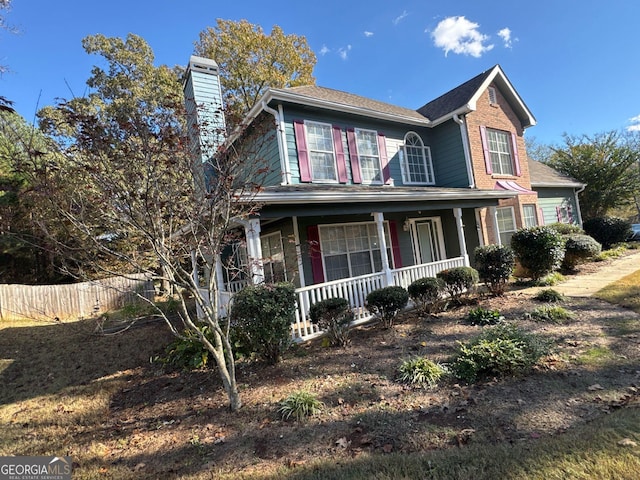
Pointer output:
379, 219
457, 212
494, 215
219, 274
254, 250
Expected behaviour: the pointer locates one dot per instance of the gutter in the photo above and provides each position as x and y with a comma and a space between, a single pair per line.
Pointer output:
580, 190
465, 145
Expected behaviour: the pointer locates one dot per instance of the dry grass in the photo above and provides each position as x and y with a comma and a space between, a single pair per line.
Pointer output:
625, 292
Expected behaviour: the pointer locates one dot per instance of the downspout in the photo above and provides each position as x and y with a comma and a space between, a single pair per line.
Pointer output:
282, 141
577, 192
465, 145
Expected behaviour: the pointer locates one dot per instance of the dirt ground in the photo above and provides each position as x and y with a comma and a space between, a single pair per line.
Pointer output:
166, 424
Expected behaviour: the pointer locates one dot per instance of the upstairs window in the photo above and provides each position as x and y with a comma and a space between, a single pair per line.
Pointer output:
500, 152
416, 162
321, 153
369, 155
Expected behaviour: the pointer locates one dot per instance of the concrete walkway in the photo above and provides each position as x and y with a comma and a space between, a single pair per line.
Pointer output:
587, 284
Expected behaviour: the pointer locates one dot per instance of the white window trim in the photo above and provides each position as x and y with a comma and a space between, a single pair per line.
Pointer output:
414, 238
534, 207
404, 162
375, 133
309, 150
509, 146
277, 234
513, 219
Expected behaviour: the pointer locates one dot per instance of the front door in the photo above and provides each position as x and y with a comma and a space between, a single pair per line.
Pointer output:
428, 244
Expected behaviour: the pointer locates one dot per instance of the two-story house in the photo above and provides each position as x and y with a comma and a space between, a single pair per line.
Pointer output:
366, 194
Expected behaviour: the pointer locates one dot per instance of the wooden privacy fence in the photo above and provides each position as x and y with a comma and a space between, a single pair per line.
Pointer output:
77, 300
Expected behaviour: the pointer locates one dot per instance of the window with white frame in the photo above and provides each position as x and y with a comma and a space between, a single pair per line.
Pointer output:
321, 153
416, 163
351, 250
369, 155
530, 215
499, 144
506, 224
273, 258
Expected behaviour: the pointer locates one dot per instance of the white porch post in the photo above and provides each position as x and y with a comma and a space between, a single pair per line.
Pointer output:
494, 215
254, 250
379, 219
218, 273
457, 212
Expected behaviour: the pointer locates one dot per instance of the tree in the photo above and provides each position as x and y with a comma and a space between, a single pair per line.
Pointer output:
251, 61
607, 163
140, 199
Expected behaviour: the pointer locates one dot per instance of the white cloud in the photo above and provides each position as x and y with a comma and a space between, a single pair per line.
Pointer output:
459, 35
636, 124
324, 50
400, 17
344, 52
505, 35
368, 34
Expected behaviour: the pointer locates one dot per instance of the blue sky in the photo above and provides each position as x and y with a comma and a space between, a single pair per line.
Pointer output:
576, 64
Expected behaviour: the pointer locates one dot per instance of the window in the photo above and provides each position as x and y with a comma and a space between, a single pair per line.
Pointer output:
321, 154
417, 160
506, 224
499, 145
564, 213
351, 250
493, 98
369, 155
530, 217
273, 258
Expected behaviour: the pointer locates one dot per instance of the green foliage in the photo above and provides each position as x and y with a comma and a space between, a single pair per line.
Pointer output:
333, 315
608, 230
551, 314
549, 295
565, 228
495, 264
579, 248
550, 280
499, 351
386, 303
421, 372
482, 316
614, 252
459, 280
187, 353
539, 250
300, 405
426, 294
261, 317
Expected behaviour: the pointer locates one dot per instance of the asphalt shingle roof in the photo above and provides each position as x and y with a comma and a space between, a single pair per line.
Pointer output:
544, 175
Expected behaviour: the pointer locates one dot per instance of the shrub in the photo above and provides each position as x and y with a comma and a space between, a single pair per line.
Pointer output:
566, 228
386, 303
426, 294
551, 314
421, 372
186, 353
333, 315
614, 252
499, 351
482, 316
495, 264
549, 295
579, 248
300, 405
459, 280
261, 317
608, 230
539, 250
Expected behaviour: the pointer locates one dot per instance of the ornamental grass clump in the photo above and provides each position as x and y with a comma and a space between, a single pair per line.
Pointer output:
481, 316
549, 295
300, 405
551, 314
421, 372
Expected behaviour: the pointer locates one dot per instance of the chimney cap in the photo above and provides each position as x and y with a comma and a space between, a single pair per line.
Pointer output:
202, 64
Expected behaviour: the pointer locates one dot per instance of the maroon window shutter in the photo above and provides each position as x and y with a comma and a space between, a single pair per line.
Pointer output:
313, 238
485, 149
395, 244
339, 149
353, 156
516, 159
570, 213
303, 152
559, 213
384, 160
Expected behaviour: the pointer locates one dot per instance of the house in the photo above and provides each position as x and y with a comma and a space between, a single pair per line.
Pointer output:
365, 194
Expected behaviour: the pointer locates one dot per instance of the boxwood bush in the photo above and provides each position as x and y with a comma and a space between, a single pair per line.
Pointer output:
459, 280
495, 264
426, 294
608, 230
539, 250
386, 303
579, 248
566, 228
333, 315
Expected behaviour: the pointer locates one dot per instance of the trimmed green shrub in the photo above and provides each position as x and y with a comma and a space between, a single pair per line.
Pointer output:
499, 351
539, 250
333, 315
459, 280
579, 248
300, 405
386, 303
426, 294
482, 316
608, 230
261, 318
495, 264
421, 372
551, 314
566, 228
549, 295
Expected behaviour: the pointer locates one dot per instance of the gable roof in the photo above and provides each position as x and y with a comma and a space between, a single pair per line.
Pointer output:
544, 176
463, 98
